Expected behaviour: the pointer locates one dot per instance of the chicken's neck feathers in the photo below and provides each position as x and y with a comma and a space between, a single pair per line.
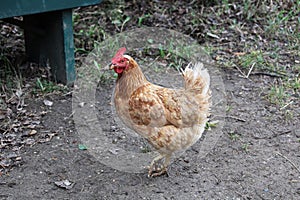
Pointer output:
129, 81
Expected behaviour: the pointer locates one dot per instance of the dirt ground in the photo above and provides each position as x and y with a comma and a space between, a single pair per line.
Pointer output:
256, 157
265, 170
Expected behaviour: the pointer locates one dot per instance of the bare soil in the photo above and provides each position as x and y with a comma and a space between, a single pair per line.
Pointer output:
260, 163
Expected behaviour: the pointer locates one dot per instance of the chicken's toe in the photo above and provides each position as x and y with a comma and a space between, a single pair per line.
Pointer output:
159, 165
158, 172
155, 169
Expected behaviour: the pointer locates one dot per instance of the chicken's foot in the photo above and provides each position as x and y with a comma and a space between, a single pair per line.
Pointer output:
155, 170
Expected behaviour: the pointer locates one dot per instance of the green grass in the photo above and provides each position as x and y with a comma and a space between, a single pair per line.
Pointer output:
281, 94
142, 18
278, 95
234, 136
245, 147
277, 21
294, 84
146, 149
93, 31
211, 124
272, 47
263, 61
164, 53
228, 108
10, 78
272, 51
45, 87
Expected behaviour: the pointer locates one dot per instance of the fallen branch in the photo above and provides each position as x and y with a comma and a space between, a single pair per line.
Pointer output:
293, 164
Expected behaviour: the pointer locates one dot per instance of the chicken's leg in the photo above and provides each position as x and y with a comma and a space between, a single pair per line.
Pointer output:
153, 171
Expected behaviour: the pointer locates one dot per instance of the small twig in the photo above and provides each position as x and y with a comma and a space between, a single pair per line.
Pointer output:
218, 103
244, 75
250, 70
293, 164
278, 133
236, 118
91, 120
153, 61
71, 115
286, 105
230, 116
68, 93
124, 22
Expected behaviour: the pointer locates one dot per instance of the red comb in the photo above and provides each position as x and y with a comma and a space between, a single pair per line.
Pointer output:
119, 54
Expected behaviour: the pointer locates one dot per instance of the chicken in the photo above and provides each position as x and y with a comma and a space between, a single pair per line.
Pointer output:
170, 119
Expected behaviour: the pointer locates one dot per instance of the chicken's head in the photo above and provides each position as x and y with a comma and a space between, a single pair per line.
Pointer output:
121, 62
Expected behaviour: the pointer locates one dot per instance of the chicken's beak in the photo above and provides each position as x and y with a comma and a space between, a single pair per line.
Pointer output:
111, 66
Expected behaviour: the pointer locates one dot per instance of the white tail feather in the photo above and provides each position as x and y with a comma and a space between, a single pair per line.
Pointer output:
193, 73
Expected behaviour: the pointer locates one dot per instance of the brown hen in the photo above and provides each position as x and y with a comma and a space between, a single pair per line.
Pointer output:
170, 119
